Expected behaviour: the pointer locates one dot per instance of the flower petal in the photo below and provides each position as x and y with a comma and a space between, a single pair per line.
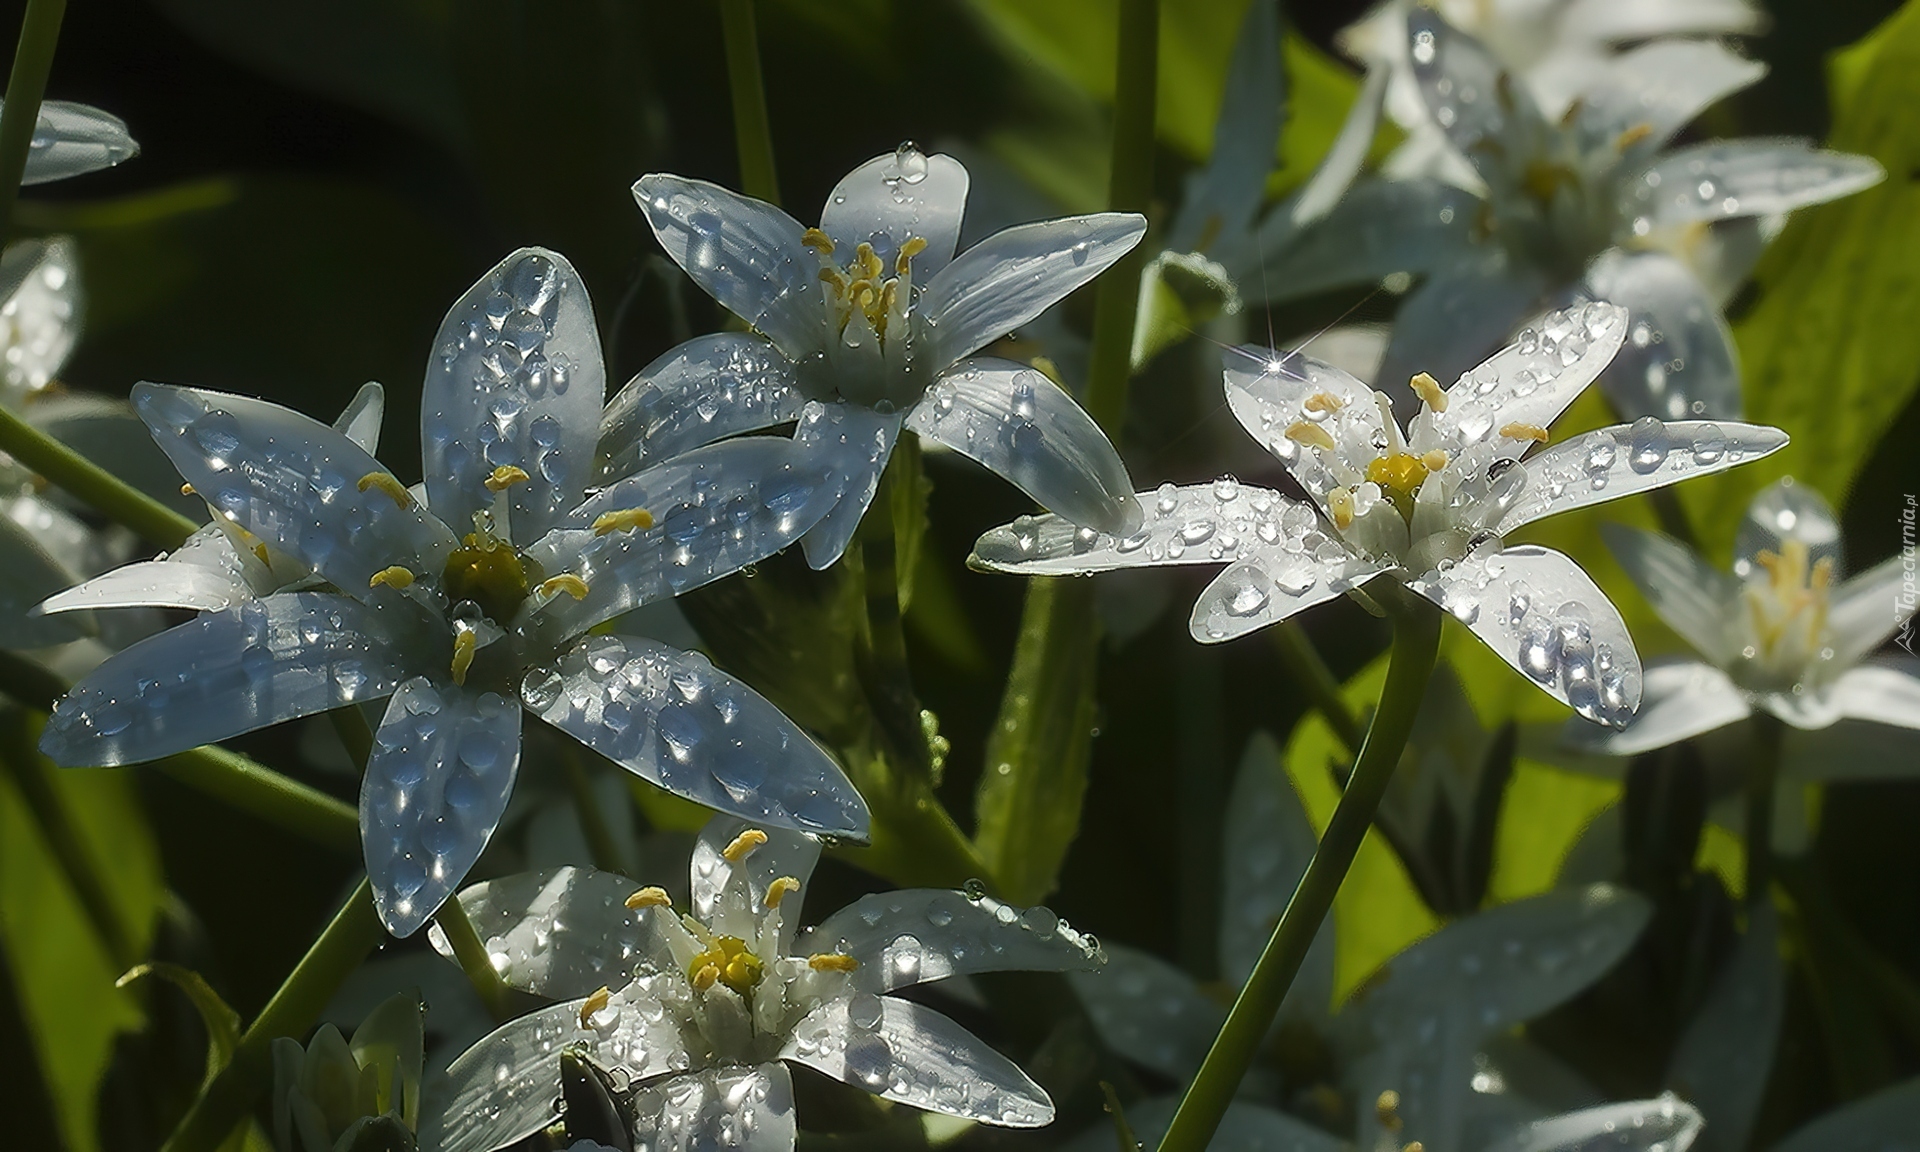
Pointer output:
1337, 169
1681, 699
1655, 90
901, 1051
1196, 524
1379, 227
1488, 116
1271, 586
748, 1109
1888, 693
1532, 380
1883, 1120
1012, 276
169, 583
28, 577
707, 389
1265, 846
40, 317
1268, 392
1221, 198
1627, 459
73, 139
671, 718
1150, 1011
360, 420
921, 934
1787, 511
1448, 324
853, 443
1023, 427
889, 198
1722, 1060
1664, 1124
561, 933
1618, 20
293, 482
731, 898
1243, 1127
1540, 612
437, 783
1748, 177
743, 252
1867, 609
219, 675
1690, 595
1679, 359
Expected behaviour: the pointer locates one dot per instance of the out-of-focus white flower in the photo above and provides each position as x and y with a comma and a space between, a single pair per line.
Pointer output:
869, 323
694, 1017
73, 139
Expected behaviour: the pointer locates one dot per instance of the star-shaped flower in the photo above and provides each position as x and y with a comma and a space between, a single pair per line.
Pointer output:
694, 1017
469, 612
869, 323
1428, 506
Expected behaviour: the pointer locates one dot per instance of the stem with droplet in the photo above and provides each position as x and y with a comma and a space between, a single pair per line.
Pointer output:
106, 493
752, 133
26, 86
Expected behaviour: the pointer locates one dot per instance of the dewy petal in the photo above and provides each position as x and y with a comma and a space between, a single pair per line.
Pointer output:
1273, 585
1268, 392
1748, 177
360, 420
437, 783
561, 933
1679, 360
1540, 612
1882, 1120
73, 139
1655, 90
1448, 324
921, 934
1532, 380
1379, 227
222, 674
1663, 1124
1693, 597
1150, 1011
671, 718
169, 583
889, 198
40, 316
1489, 117
1787, 511
1723, 1059
1243, 1127
904, 1052
707, 389
744, 253
27, 577
853, 444
1337, 169
1867, 609
1012, 276
516, 380
1221, 198
1888, 693
731, 898
1617, 20
1627, 459
1680, 699
743, 1109
1266, 843
1026, 429
293, 482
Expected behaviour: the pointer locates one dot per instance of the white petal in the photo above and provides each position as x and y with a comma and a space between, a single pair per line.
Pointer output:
1749, 177
1680, 699
1665, 1124
1885, 1121
1627, 459
671, 718
1271, 586
1150, 1011
1540, 612
1723, 1058
1379, 227
1268, 391
1197, 524
1869, 608
1806, 710
437, 783
732, 898
169, 583
1265, 846
1221, 198
1888, 693
1532, 380
889, 198
73, 139
1695, 599
1023, 427
1342, 162
745, 253
559, 934
27, 577
904, 1052
40, 317
922, 934
707, 389
1679, 359
360, 420
1244, 1127
748, 1109
853, 444
1656, 89
1618, 20
1784, 511
1449, 323
1012, 276
224, 673
1489, 117
293, 482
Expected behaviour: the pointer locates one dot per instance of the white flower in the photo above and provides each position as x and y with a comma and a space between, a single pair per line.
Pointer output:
697, 1015
869, 322
1428, 506
468, 612
73, 139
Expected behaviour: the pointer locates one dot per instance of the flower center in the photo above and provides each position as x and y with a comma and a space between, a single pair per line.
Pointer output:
727, 960
866, 306
486, 570
1787, 608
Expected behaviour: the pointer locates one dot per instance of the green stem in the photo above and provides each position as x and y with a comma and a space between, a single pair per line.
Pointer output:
752, 133
1416, 644
1311, 673
1122, 1131
882, 661
600, 843
472, 955
1763, 771
1129, 189
26, 86
354, 932
111, 496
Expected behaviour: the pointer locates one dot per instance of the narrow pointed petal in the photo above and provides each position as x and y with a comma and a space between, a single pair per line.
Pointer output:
1649, 93
40, 313
1868, 609
1787, 511
1664, 1124
1751, 177
169, 583
1222, 197
560, 933
671, 718
222, 674
1197, 524
1265, 844
853, 443
1244, 1127
921, 934
707, 389
1723, 1059
892, 197
1377, 228
1693, 597
73, 139
1616, 20
1884, 1120
1338, 168
1150, 1011
1486, 114
1012, 276
1272, 586
1540, 612
1451, 321
744, 253
1680, 699
1023, 427
738, 1109
1268, 392
1887, 693
903, 1052
293, 482
1679, 359
1532, 380
731, 898
360, 420
27, 577
437, 783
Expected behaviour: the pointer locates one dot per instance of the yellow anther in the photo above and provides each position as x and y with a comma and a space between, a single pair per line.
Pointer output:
1429, 391
706, 976
260, 550
913, 247
862, 295
731, 962
593, 1004
1435, 460
186, 489
1524, 432
1310, 434
394, 577
1633, 136
624, 520
835, 279
1413, 1146
651, 896
1340, 507
464, 642
832, 962
565, 582
866, 265
1387, 1110
817, 240
1324, 402
743, 845
1822, 577
505, 477
386, 483
1401, 472
778, 890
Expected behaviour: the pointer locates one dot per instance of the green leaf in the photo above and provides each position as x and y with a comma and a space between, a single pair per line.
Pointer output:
222, 1022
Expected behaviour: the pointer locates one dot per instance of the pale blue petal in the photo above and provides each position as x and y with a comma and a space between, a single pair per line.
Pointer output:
921, 934
1887, 1121
1214, 523
1679, 699
222, 674
1655, 90
1268, 391
1266, 842
1724, 1057
1489, 116
1748, 177
1379, 227
169, 583
517, 380
40, 317
853, 443
1618, 20
707, 389
360, 420
293, 482
1678, 360
559, 934
730, 898
1274, 585
1243, 1128
892, 197
1868, 609
437, 783
28, 577
1452, 320
1221, 198
1885, 693
903, 1052
1693, 597
1026, 429
1665, 1124
1533, 379
1338, 168
73, 139
671, 718
1787, 511
1011, 277
1150, 1011
726, 1108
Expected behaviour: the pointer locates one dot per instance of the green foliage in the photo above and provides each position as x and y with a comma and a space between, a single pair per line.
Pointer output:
221, 1021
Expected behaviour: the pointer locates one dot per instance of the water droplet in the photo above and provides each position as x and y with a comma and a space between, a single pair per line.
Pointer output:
1709, 444
1648, 445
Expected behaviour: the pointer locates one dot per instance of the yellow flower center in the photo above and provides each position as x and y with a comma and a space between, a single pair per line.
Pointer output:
1787, 607
727, 961
1398, 472
486, 570
862, 285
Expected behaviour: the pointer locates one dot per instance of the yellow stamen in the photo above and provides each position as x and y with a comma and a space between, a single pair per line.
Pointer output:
706, 976
743, 845
651, 896
1387, 1110
817, 240
186, 489
565, 582
913, 247
1340, 507
1429, 391
386, 483
1312, 435
394, 577
505, 477
832, 962
1414, 1146
260, 550
464, 642
1435, 460
624, 520
778, 890
1324, 402
1633, 136
593, 1004
865, 264
1401, 472
1524, 432
731, 962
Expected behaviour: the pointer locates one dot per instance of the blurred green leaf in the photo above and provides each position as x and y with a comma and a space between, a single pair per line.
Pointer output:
222, 1022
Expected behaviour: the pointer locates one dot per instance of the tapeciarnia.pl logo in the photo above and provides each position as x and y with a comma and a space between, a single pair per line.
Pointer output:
1903, 604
